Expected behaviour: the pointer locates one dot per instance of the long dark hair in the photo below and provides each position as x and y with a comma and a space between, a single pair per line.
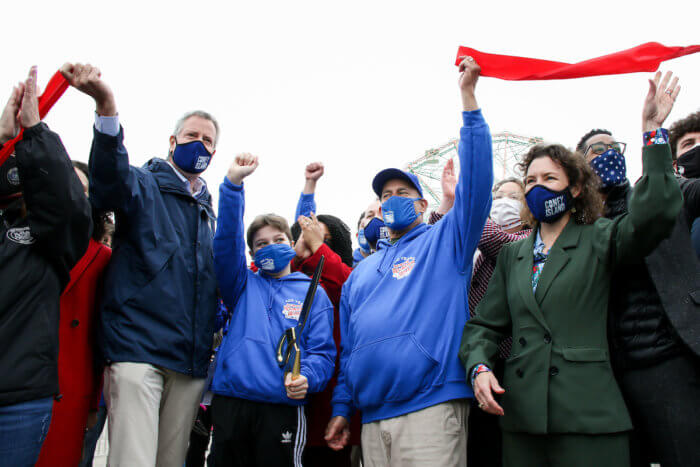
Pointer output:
340, 243
588, 206
102, 221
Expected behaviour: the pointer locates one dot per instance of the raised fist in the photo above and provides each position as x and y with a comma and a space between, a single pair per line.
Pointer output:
243, 165
314, 171
87, 79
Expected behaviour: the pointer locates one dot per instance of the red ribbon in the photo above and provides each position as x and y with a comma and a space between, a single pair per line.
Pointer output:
645, 57
55, 88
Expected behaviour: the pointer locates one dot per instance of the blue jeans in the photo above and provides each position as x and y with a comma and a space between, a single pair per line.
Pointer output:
23, 428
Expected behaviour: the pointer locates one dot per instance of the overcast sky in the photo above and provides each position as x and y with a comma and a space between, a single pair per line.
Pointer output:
359, 85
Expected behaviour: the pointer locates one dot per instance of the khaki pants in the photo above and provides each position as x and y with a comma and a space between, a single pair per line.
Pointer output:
434, 437
151, 412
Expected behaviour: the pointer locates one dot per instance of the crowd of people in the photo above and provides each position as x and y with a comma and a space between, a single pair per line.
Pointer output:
551, 320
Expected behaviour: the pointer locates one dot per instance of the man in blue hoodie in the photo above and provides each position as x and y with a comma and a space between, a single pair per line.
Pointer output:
403, 308
257, 411
159, 303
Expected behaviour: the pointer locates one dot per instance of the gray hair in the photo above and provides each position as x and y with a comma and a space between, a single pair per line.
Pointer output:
500, 183
201, 114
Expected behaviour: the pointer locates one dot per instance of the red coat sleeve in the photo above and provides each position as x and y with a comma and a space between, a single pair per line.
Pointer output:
334, 274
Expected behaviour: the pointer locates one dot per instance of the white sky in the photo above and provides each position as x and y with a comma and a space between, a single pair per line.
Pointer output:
358, 85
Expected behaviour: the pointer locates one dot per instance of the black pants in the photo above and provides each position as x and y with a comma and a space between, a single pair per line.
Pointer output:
249, 434
664, 403
199, 439
484, 444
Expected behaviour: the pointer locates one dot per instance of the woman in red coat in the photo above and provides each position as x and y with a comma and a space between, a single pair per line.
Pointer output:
315, 237
79, 380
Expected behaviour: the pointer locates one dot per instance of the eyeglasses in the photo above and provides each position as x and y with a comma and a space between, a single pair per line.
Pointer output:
600, 148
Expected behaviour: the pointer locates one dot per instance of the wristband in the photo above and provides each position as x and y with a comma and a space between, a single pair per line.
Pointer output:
480, 368
658, 136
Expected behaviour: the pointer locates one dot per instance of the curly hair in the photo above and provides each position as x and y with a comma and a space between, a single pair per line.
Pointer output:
682, 127
341, 241
588, 206
581, 146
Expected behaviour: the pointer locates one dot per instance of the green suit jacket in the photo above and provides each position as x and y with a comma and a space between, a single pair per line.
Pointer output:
558, 378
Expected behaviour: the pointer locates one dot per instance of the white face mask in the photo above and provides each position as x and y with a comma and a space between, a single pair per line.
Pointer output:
506, 212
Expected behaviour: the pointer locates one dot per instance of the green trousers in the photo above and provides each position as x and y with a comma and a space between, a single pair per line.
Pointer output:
566, 450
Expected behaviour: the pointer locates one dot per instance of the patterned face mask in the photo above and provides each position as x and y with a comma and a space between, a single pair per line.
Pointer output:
611, 168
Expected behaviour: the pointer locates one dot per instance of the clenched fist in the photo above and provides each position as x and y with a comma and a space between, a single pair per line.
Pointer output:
88, 80
243, 165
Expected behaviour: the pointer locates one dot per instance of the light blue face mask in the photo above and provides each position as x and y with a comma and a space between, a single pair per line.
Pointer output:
273, 258
399, 212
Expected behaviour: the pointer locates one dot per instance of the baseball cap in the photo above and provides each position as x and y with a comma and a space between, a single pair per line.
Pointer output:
391, 174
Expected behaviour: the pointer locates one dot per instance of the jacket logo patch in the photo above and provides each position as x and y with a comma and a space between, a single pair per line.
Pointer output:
21, 235
13, 176
292, 309
286, 438
402, 267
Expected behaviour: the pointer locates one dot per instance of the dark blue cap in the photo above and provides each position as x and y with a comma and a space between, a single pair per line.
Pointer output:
391, 174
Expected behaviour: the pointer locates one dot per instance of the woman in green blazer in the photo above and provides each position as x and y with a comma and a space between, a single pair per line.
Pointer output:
560, 403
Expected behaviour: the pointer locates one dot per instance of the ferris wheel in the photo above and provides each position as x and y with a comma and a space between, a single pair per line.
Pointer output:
508, 149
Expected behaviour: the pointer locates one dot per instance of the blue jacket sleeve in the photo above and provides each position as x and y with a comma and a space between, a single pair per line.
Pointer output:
342, 398
305, 206
229, 244
113, 184
318, 356
466, 219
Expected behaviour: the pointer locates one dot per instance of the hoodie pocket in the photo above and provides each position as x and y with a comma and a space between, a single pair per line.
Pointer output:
391, 369
250, 368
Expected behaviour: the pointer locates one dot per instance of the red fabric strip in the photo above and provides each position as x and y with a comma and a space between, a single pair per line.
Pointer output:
646, 57
55, 88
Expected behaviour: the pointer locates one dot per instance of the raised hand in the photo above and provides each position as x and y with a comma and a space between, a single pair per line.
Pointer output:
243, 165
485, 384
301, 249
312, 232
337, 433
659, 100
448, 182
87, 79
469, 70
29, 110
312, 173
9, 124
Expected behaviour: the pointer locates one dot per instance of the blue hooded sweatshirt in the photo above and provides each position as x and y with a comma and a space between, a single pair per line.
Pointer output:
403, 308
263, 307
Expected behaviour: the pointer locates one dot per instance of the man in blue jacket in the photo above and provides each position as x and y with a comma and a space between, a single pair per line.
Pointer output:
402, 311
160, 301
257, 410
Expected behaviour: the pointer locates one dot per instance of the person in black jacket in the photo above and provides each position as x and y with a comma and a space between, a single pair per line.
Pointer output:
654, 326
45, 227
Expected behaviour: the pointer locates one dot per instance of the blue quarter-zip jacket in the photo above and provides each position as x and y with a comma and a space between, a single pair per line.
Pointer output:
159, 302
262, 308
403, 308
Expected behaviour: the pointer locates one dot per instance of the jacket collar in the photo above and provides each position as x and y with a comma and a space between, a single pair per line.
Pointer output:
168, 181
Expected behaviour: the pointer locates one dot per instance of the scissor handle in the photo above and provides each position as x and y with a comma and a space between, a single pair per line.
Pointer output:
281, 361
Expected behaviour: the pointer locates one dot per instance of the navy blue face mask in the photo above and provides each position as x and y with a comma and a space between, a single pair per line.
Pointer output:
548, 206
192, 157
273, 258
611, 168
374, 231
399, 212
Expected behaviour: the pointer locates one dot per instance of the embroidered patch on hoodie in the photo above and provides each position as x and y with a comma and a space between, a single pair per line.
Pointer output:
402, 267
292, 309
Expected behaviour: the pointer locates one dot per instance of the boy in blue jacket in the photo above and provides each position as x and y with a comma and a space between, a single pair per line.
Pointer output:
258, 416
403, 308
